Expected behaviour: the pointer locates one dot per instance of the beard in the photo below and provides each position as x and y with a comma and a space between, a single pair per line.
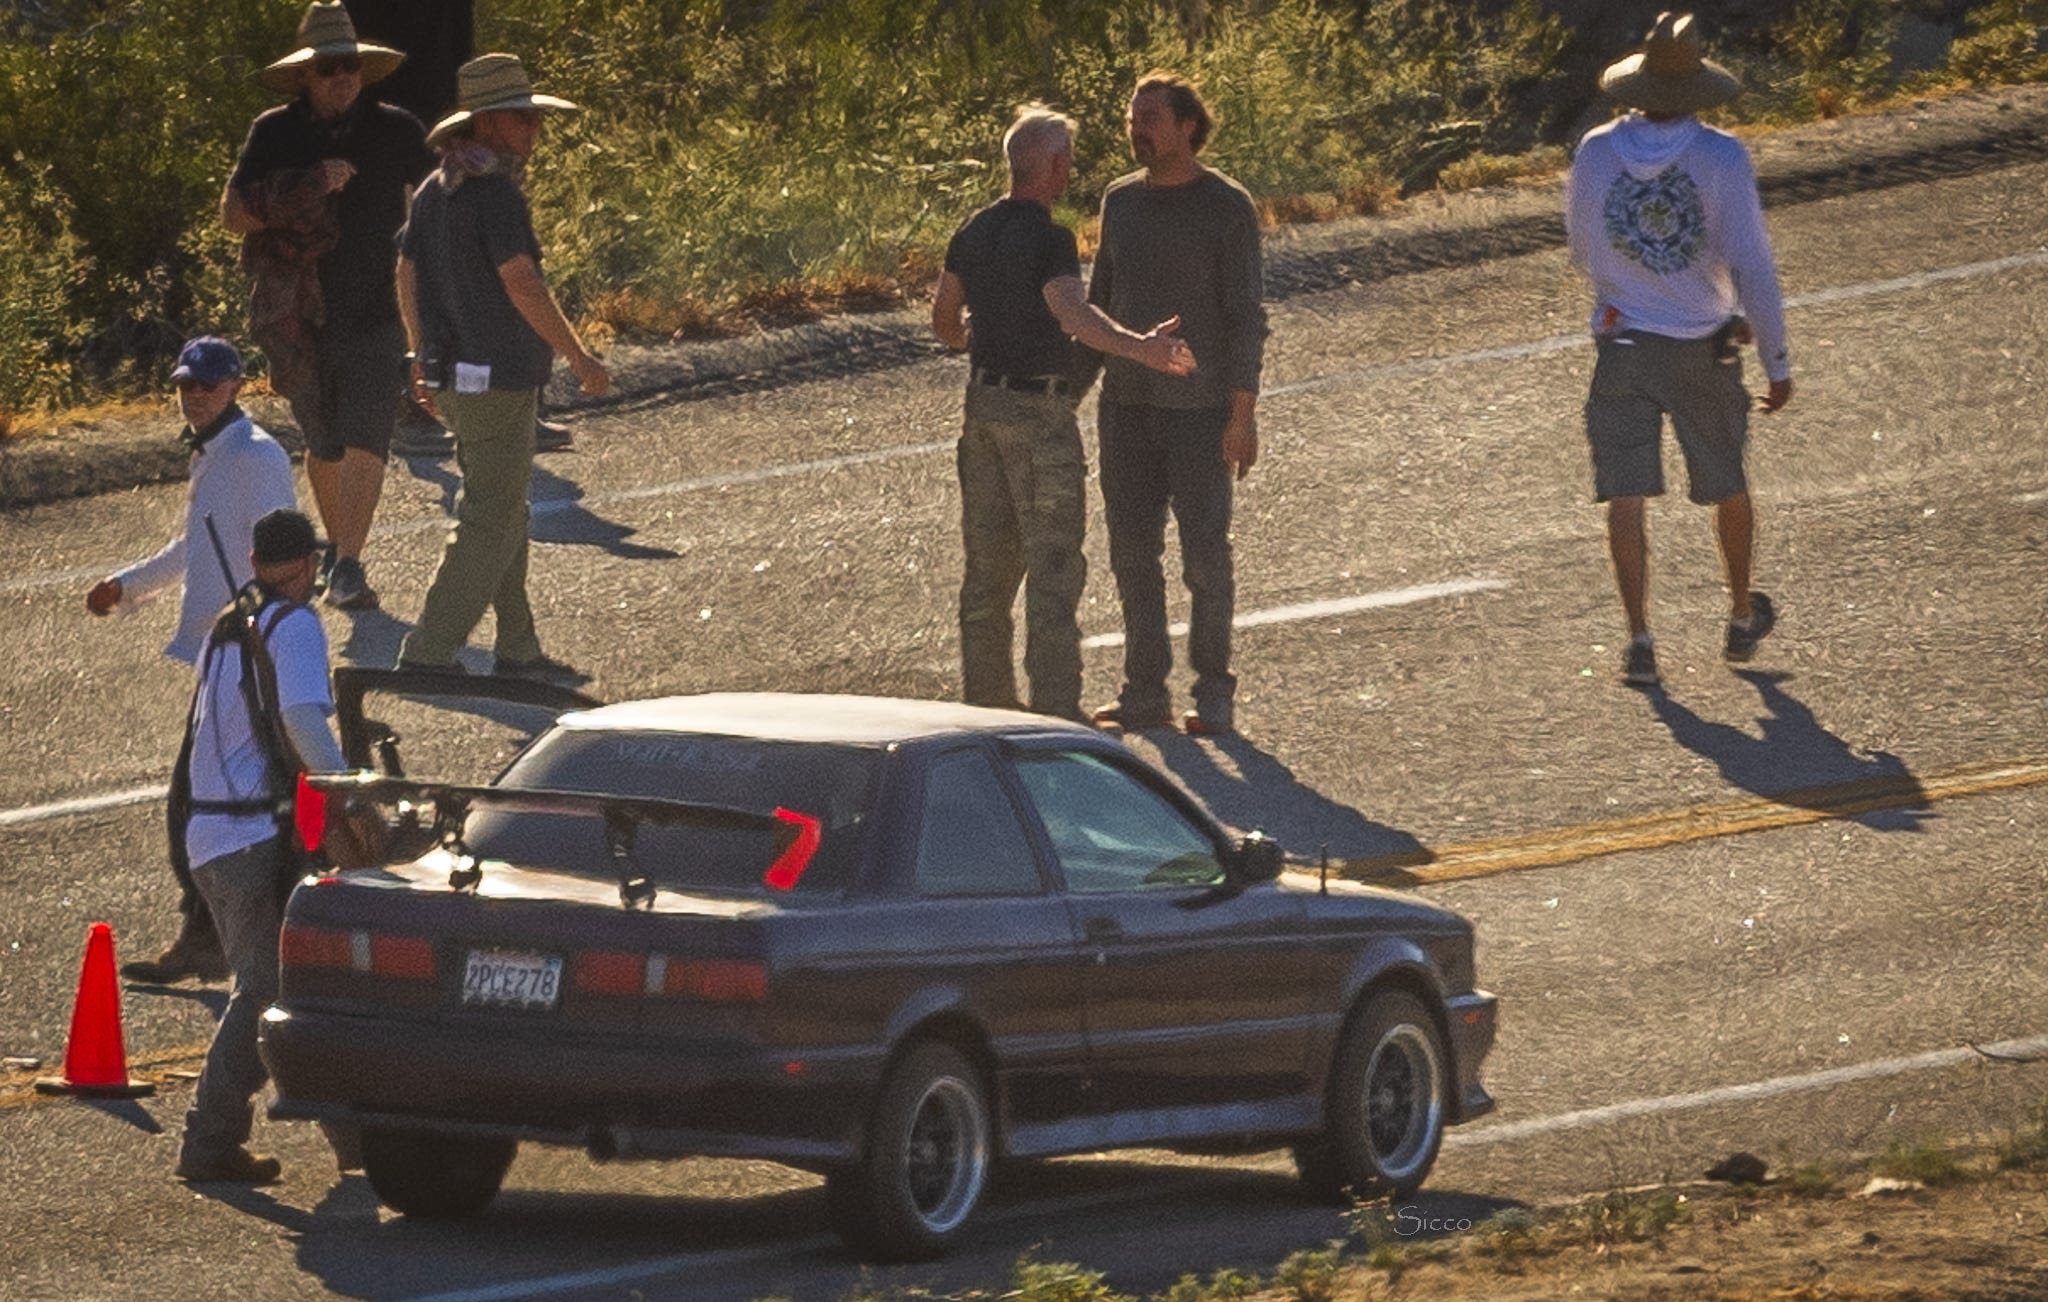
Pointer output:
1143, 150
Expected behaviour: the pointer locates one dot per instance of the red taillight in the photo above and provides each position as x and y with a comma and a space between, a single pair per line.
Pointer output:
788, 868
599, 972
406, 958
712, 980
300, 946
309, 813
716, 980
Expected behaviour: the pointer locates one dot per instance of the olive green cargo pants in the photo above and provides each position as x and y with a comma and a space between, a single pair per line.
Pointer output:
483, 567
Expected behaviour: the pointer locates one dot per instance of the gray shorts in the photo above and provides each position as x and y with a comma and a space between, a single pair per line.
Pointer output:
1637, 381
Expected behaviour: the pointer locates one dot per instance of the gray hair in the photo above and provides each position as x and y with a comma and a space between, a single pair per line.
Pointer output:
1034, 139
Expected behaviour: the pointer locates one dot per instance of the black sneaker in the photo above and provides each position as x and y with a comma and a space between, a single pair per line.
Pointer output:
1741, 644
419, 433
1639, 664
548, 436
348, 588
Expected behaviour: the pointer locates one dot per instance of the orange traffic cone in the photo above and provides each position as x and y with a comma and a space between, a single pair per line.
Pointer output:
95, 1063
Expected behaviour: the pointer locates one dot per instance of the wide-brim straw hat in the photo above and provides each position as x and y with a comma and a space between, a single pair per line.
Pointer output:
1668, 75
326, 30
488, 82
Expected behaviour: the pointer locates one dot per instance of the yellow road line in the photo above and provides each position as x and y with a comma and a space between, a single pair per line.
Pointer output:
17, 1088
1485, 858
1548, 849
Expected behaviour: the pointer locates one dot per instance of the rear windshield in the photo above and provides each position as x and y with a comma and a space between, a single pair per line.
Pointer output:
829, 783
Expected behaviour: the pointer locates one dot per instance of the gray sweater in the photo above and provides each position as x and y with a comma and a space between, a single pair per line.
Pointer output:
1189, 250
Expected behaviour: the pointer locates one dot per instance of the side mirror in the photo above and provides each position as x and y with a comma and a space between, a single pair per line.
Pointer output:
1259, 858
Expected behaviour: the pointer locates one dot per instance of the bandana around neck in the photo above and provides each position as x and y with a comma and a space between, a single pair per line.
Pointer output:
197, 439
466, 158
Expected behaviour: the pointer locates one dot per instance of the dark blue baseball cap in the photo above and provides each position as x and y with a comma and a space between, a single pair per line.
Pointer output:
207, 360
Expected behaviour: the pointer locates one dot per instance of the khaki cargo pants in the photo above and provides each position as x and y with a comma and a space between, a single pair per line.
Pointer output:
1023, 513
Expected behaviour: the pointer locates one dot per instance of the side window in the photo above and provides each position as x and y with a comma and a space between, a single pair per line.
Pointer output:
1111, 831
971, 842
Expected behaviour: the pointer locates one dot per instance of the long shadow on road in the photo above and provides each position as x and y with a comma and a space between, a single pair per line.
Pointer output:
1258, 791
1143, 1224
1797, 761
559, 515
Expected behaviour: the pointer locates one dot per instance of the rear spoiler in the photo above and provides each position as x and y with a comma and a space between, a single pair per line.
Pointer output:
362, 737
797, 834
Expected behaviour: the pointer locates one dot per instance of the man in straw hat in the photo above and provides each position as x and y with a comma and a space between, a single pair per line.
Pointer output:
484, 328
1663, 216
318, 196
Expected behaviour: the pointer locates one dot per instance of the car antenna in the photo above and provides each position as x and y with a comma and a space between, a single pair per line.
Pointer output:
1323, 882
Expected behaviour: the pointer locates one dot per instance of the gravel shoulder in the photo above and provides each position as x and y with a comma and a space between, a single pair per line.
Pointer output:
1857, 1236
1915, 141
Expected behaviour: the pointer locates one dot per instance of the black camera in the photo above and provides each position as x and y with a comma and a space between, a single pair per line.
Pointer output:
433, 368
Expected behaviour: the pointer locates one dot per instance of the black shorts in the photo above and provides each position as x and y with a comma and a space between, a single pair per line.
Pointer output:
362, 381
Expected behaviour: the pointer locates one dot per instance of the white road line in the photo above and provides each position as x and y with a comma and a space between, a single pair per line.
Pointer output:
1332, 607
1562, 343
613, 1276
698, 1261
82, 805
1252, 619
757, 475
1415, 366
1938, 1060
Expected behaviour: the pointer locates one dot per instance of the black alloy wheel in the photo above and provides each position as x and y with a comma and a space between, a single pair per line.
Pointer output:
1384, 1120
929, 1149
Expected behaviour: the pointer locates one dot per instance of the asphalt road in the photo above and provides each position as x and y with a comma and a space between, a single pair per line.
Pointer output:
1419, 431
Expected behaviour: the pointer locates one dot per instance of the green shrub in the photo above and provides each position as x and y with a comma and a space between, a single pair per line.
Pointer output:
1312, 1274
1060, 1281
123, 126
2005, 45
758, 159
1930, 1164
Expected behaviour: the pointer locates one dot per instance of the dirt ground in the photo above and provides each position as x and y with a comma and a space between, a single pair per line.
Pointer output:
1983, 1238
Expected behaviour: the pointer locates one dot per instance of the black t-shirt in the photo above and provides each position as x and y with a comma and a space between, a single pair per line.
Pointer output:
1004, 256
436, 37
457, 242
389, 149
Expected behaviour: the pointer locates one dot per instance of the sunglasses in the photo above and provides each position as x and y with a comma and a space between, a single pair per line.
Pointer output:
337, 65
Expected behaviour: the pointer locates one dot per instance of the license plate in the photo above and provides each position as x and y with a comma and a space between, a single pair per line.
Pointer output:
504, 977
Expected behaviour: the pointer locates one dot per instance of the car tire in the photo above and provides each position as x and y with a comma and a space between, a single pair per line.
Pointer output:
435, 1177
1384, 1117
926, 1163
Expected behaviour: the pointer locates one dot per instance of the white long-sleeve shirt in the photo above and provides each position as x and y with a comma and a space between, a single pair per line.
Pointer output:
1665, 219
240, 474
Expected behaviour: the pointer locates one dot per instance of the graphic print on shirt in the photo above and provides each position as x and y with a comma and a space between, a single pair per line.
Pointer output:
1661, 222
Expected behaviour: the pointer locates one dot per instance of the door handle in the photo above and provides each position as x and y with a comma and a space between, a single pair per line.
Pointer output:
1103, 930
